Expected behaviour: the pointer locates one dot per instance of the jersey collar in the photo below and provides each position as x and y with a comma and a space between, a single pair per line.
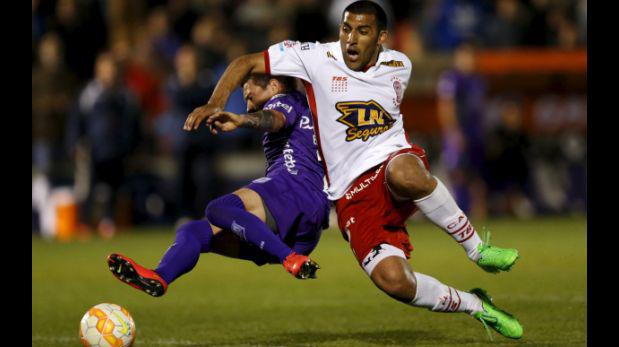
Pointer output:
381, 54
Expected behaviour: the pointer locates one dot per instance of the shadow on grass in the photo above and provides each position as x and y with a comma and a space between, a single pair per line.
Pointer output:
398, 337
378, 337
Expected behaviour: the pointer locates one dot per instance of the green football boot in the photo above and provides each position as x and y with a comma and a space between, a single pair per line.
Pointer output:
494, 259
499, 320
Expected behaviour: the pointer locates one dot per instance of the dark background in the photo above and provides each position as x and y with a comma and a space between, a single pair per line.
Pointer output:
531, 57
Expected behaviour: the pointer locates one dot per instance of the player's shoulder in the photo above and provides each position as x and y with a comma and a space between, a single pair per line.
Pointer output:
288, 102
395, 58
299, 45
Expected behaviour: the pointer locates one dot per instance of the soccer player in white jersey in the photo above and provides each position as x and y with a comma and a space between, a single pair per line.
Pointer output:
376, 177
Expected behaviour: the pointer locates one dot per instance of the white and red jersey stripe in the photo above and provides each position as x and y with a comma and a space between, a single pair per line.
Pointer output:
357, 116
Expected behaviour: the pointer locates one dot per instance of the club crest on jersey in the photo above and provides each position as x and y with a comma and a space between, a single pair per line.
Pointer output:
399, 92
365, 119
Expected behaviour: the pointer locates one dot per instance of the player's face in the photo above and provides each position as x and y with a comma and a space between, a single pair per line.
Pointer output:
255, 95
464, 59
359, 39
106, 71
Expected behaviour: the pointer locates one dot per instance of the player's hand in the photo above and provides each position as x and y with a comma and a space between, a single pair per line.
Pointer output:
224, 122
197, 116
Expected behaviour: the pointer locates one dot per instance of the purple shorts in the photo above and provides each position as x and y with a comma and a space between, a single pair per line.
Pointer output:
300, 212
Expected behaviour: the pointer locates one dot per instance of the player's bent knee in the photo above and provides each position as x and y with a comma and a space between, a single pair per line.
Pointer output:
216, 207
407, 177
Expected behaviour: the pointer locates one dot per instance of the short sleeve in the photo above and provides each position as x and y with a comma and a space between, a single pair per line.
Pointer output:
284, 105
291, 58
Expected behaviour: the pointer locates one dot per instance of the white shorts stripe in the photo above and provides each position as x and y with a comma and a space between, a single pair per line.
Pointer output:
379, 253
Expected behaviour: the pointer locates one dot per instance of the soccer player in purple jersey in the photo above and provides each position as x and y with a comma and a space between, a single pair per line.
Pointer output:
275, 219
461, 93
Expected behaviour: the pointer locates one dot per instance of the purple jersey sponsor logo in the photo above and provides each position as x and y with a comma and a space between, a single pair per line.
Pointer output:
280, 104
293, 149
289, 159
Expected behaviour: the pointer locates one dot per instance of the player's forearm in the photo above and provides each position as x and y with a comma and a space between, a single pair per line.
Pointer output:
264, 120
233, 76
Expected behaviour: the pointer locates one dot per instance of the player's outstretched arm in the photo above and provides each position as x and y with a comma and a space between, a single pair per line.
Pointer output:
263, 120
229, 81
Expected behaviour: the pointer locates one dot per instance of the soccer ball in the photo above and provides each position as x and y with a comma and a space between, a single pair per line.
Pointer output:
107, 325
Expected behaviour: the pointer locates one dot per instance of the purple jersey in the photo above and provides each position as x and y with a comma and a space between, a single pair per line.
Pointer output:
468, 91
293, 189
293, 149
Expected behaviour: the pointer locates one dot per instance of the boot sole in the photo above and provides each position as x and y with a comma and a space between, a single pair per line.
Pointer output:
123, 270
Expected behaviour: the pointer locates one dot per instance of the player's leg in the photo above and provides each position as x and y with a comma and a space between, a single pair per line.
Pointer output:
192, 238
408, 178
244, 213
394, 276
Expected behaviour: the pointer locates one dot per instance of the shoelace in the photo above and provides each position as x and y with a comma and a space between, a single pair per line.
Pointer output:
482, 319
486, 240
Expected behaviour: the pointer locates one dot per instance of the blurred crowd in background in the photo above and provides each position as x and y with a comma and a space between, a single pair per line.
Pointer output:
113, 81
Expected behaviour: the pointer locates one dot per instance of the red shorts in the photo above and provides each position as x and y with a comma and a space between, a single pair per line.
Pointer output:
367, 214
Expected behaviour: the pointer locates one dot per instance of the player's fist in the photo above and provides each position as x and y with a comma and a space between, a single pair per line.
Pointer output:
223, 121
197, 116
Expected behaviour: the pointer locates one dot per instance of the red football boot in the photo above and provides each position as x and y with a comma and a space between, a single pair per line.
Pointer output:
139, 277
300, 266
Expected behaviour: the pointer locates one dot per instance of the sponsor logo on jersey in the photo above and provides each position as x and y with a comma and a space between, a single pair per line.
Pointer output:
280, 104
363, 184
364, 119
307, 46
289, 161
305, 123
287, 44
393, 63
329, 55
339, 84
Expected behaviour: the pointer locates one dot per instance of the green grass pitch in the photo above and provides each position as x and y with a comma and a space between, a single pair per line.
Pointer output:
230, 302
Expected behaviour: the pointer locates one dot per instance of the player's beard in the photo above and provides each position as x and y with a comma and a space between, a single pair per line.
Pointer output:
362, 60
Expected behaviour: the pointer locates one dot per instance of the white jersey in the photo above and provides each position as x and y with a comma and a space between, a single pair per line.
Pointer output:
357, 115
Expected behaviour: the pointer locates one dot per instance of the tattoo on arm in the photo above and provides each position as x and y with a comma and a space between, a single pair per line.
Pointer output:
262, 120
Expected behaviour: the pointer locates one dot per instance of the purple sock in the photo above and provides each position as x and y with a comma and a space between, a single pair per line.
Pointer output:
192, 239
228, 212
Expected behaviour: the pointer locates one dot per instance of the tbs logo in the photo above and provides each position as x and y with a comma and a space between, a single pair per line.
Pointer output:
364, 119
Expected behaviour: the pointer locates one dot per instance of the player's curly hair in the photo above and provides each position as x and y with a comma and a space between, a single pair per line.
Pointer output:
262, 80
